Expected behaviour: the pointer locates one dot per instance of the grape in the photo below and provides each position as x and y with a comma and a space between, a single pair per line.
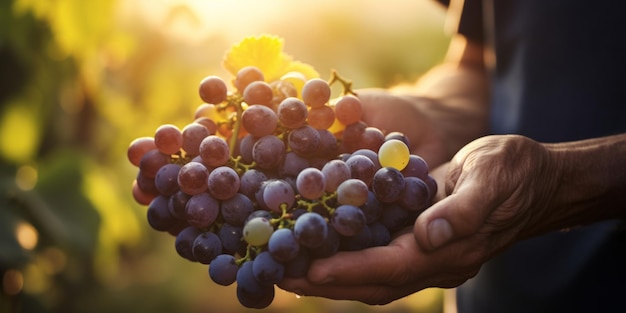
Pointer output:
257, 231
327, 149
380, 234
361, 167
352, 191
146, 184
321, 118
250, 182
310, 230
316, 92
223, 269
208, 123
283, 245
348, 220
141, 196
416, 167
192, 178
202, 210
223, 183
372, 208
213, 90
292, 164
266, 269
415, 195
193, 134
177, 204
236, 209
370, 154
245, 148
259, 120
250, 292
159, 216
184, 242
258, 92
138, 148
371, 138
151, 162
292, 113
231, 239
388, 184
214, 151
283, 89
268, 152
348, 109
399, 136
311, 183
394, 153
278, 194
351, 136
329, 246
166, 179
168, 139
394, 217
246, 75
335, 172
304, 140
432, 185
206, 247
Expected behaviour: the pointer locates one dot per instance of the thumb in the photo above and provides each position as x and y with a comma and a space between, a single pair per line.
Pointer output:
455, 217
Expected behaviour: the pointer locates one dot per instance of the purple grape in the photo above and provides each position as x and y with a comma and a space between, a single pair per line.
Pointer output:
304, 141
223, 183
223, 270
268, 152
184, 242
266, 269
202, 210
310, 230
348, 220
166, 179
283, 245
388, 184
236, 209
206, 247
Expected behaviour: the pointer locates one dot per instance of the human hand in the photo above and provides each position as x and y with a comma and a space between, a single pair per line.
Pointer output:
498, 187
390, 111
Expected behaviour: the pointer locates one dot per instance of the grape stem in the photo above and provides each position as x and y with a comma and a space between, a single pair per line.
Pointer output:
346, 83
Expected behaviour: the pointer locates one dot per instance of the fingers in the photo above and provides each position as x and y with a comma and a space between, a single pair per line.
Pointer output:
387, 264
367, 293
455, 217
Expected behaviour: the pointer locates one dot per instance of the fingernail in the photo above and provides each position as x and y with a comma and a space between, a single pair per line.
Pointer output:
439, 232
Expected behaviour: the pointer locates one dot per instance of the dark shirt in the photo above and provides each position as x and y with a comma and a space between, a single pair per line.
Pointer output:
559, 75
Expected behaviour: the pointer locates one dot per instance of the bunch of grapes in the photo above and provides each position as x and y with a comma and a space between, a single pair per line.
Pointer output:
272, 175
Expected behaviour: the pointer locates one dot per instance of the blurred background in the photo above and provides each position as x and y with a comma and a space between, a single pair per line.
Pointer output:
79, 80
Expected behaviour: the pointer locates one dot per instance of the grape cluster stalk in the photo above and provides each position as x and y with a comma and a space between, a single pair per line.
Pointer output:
270, 176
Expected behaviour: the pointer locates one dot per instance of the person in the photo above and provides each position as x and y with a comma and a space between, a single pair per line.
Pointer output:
524, 127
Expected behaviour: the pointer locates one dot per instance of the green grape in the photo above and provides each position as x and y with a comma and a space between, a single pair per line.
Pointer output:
257, 231
394, 153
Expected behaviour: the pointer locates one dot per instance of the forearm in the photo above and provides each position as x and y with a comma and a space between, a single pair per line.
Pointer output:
590, 180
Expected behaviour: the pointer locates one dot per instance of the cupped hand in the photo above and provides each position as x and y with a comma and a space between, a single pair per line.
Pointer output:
389, 111
497, 186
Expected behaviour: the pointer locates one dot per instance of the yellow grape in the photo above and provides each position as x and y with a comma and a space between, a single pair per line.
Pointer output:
394, 153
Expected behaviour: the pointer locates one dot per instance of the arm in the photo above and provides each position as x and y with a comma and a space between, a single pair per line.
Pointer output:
443, 111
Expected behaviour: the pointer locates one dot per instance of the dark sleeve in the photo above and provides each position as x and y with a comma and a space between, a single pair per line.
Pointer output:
465, 17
